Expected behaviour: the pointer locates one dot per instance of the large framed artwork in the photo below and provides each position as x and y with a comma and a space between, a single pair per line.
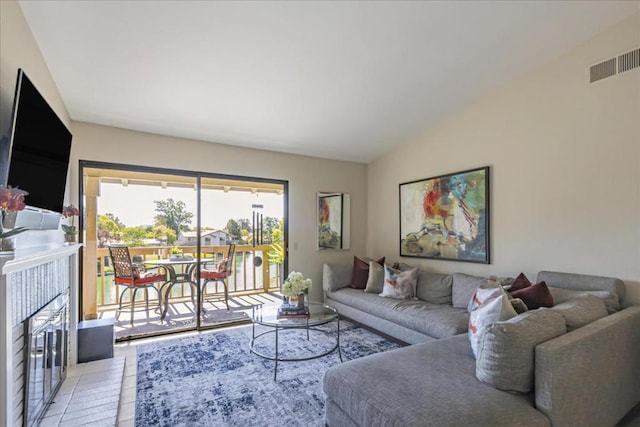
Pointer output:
446, 217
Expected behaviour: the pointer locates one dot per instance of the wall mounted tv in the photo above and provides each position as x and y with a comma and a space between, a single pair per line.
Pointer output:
39, 148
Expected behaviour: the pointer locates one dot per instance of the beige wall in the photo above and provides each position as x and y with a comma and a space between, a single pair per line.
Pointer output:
18, 49
565, 169
306, 176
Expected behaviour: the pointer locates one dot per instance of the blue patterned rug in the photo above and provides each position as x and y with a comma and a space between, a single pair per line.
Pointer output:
213, 379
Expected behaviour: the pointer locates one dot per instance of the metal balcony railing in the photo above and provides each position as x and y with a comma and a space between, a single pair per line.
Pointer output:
245, 279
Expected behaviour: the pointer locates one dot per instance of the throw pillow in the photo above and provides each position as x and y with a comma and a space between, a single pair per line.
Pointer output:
518, 305
521, 282
486, 291
535, 296
506, 354
360, 273
491, 310
375, 282
336, 276
399, 284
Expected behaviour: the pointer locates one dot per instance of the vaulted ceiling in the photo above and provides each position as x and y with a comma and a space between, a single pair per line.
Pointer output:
345, 80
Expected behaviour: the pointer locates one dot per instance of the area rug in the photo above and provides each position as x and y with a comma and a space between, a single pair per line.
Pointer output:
213, 379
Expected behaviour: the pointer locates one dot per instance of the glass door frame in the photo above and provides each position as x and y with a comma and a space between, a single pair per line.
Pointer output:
198, 176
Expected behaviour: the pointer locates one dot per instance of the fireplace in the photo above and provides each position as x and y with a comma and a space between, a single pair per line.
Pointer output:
46, 339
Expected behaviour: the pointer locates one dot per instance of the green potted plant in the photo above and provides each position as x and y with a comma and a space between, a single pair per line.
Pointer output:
70, 232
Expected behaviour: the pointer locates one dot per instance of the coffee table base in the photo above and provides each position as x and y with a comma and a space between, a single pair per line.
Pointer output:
276, 358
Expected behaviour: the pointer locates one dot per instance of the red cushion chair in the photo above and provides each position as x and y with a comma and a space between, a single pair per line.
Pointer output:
219, 273
128, 274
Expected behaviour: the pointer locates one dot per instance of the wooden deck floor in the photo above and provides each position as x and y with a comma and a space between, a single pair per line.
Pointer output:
181, 315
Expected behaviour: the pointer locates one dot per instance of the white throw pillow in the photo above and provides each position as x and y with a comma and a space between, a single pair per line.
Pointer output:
399, 284
491, 310
488, 290
375, 281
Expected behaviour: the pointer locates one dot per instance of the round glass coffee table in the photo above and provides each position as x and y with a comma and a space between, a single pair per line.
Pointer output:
319, 314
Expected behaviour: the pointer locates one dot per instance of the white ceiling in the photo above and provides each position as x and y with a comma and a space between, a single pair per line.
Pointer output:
341, 80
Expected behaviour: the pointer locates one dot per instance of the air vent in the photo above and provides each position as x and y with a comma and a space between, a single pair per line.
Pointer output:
603, 70
628, 61
616, 65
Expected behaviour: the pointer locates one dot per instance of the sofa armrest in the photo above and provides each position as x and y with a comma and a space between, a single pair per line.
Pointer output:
336, 276
589, 377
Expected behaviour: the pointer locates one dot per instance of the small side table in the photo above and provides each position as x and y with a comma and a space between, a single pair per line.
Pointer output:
95, 340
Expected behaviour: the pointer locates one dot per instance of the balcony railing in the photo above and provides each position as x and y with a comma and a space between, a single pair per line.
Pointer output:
245, 278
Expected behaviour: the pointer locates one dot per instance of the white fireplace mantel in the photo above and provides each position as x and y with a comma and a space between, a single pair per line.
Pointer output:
28, 280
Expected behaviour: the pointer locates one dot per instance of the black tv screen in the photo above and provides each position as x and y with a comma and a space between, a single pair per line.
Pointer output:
40, 147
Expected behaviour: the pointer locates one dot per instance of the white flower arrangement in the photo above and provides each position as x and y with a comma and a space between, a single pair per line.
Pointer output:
295, 284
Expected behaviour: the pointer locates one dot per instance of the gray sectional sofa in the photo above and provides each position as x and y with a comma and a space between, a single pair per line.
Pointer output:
589, 376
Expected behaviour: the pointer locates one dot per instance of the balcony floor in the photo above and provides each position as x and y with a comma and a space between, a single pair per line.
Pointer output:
181, 315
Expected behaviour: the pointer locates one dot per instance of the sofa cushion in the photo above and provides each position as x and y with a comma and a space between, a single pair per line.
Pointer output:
506, 353
581, 311
611, 301
360, 273
581, 282
399, 284
463, 287
434, 287
375, 282
493, 307
424, 384
435, 320
535, 296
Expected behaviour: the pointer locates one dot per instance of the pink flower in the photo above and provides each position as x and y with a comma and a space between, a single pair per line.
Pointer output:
12, 199
70, 211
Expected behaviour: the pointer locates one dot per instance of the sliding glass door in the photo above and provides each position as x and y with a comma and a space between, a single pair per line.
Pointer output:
182, 225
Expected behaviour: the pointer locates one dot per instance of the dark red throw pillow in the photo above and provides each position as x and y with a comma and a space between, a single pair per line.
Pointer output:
360, 273
535, 296
521, 282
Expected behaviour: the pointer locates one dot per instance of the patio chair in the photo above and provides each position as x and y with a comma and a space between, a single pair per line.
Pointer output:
130, 276
219, 272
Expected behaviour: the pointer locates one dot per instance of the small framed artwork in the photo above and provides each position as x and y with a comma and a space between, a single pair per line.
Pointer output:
333, 224
446, 217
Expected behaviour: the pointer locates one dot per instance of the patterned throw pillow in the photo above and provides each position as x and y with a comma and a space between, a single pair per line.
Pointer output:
360, 273
486, 291
492, 306
375, 283
399, 284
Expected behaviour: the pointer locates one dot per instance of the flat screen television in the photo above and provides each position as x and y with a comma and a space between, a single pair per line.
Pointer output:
39, 148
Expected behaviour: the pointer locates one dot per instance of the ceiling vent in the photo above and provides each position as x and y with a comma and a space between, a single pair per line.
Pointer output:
611, 67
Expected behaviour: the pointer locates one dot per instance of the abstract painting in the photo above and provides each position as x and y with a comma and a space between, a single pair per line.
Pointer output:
330, 221
446, 217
